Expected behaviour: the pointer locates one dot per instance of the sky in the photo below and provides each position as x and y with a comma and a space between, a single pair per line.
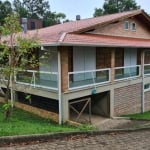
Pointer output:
85, 8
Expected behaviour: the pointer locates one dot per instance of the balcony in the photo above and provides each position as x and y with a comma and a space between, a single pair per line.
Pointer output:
39, 79
80, 79
122, 73
88, 78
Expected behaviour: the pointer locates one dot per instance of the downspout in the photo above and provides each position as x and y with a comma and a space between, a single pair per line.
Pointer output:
143, 97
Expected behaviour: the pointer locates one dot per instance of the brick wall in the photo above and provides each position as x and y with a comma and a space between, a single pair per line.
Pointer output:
119, 57
103, 58
38, 23
64, 67
147, 101
127, 99
117, 28
147, 57
139, 53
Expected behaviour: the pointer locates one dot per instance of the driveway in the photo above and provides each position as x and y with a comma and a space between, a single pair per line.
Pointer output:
139, 140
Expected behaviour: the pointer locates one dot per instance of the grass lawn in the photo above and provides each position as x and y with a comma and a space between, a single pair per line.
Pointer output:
22, 123
142, 116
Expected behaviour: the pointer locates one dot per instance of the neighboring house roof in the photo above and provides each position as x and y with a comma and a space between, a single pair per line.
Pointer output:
76, 32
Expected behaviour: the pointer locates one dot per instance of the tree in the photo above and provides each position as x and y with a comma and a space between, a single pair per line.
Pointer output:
52, 18
38, 9
31, 8
14, 49
115, 6
19, 8
98, 12
5, 9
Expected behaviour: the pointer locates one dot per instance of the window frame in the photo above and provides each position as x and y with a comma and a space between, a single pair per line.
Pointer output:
126, 25
133, 26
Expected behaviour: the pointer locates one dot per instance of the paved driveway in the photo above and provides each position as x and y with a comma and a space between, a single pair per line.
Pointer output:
139, 140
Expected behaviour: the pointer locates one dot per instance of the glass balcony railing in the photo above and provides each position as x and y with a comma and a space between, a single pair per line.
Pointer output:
126, 72
49, 80
86, 78
37, 78
147, 69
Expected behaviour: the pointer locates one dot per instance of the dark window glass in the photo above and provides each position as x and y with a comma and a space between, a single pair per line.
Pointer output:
32, 25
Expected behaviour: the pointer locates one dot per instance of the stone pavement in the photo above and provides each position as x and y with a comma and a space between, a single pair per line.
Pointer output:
139, 140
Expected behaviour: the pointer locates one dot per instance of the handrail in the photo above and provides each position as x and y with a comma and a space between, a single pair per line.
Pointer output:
31, 71
129, 73
33, 78
92, 78
127, 67
86, 71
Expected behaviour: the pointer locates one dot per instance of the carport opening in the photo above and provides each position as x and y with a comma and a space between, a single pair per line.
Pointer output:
85, 108
100, 104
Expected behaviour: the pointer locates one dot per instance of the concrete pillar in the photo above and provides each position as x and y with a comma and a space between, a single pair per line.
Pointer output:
112, 103
142, 63
143, 82
112, 65
65, 108
64, 82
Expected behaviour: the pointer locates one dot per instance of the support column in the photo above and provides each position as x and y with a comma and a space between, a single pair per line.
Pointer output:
112, 81
64, 68
142, 68
65, 107
112, 65
63, 103
112, 103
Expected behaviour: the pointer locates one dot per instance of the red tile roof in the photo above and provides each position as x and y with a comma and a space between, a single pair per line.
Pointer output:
74, 32
104, 40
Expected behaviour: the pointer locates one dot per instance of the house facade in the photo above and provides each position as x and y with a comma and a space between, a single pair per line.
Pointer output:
99, 65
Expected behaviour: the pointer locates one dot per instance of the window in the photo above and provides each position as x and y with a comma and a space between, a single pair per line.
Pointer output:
126, 25
133, 27
32, 25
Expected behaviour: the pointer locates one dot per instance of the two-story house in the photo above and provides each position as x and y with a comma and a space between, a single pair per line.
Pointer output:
99, 65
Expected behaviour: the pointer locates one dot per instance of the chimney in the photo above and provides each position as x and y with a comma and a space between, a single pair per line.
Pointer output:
24, 24
78, 17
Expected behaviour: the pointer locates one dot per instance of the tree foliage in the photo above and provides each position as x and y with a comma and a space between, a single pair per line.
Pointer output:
14, 52
19, 8
38, 9
52, 18
115, 6
5, 9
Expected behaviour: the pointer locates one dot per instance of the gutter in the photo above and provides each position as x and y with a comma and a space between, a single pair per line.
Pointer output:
91, 45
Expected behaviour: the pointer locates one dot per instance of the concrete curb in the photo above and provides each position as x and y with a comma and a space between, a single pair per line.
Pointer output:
7, 140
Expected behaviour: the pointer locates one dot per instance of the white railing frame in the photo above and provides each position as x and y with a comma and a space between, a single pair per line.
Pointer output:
90, 71
139, 66
33, 79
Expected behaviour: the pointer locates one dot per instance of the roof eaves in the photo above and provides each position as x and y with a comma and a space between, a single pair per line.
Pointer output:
145, 15
101, 45
110, 21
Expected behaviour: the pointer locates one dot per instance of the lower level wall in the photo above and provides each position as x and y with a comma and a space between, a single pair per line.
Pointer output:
127, 99
37, 111
147, 101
